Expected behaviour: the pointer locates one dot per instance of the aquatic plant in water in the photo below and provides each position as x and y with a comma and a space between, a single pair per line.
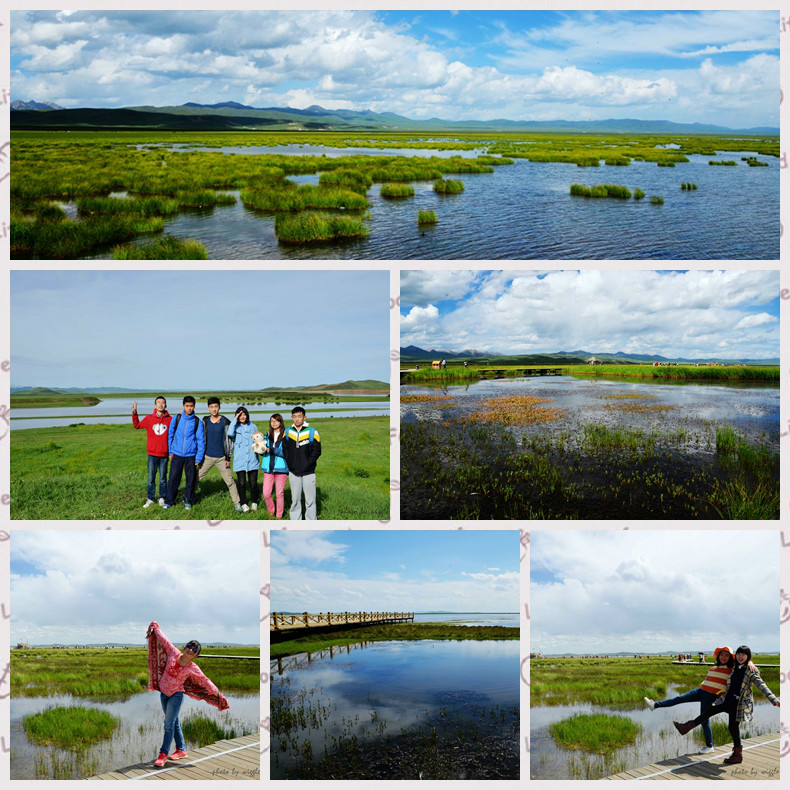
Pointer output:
426, 218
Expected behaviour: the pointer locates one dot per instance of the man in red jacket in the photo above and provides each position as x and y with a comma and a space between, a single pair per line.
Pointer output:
156, 426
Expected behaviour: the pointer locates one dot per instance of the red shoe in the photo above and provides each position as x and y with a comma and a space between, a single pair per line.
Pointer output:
178, 754
161, 760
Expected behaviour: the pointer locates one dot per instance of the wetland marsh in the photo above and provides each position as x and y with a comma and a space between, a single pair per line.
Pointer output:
233, 194
426, 709
590, 447
567, 687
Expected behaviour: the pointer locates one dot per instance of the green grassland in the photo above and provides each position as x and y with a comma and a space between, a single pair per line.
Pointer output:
399, 631
100, 472
81, 672
610, 681
86, 167
759, 373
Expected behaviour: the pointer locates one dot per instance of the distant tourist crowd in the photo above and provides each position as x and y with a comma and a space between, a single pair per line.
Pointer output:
193, 446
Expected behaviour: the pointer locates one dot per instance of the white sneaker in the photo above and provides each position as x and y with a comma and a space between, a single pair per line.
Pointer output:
705, 750
649, 702
245, 508
254, 506
161, 501
148, 503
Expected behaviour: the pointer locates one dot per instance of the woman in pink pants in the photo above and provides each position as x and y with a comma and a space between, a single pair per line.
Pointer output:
275, 469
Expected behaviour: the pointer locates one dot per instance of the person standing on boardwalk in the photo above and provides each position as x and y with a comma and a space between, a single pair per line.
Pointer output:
301, 449
173, 674
736, 701
714, 685
245, 462
275, 469
187, 447
219, 448
156, 426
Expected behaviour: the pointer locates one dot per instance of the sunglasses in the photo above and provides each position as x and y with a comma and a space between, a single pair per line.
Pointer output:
192, 647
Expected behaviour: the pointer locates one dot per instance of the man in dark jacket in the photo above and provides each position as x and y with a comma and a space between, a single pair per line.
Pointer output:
155, 426
301, 448
219, 447
187, 446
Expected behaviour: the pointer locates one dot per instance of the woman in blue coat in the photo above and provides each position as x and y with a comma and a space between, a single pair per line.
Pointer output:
245, 462
275, 469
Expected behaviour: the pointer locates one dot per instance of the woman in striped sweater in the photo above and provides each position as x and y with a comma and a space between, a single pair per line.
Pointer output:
736, 701
714, 684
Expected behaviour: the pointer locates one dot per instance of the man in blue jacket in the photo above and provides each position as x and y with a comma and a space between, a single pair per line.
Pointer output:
187, 446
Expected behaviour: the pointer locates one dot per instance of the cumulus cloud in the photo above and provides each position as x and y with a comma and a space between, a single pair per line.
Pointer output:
630, 591
672, 313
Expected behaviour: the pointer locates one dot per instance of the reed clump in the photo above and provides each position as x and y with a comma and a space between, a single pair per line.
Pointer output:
638, 194
723, 162
601, 190
656, 199
688, 186
426, 217
396, 191
753, 161
71, 728
166, 248
308, 226
600, 733
447, 187
307, 196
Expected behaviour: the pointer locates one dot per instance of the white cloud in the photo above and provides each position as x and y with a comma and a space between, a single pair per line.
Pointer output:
760, 319
418, 317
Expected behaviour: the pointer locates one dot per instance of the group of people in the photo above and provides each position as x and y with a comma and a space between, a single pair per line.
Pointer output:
193, 447
727, 688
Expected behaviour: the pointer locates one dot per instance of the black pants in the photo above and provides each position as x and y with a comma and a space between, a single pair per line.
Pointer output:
730, 707
241, 484
185, 463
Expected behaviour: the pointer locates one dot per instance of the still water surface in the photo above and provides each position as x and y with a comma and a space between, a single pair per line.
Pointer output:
139, 736
524, 211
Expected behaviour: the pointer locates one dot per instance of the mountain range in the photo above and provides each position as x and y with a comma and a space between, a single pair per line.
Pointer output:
230, 115
417, 354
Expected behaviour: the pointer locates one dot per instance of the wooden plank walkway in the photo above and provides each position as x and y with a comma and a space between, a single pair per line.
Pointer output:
760, 761
292, 622
239, 758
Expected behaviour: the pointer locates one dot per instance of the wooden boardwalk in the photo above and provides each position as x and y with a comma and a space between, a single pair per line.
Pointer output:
293, 622
239, 758
760, 761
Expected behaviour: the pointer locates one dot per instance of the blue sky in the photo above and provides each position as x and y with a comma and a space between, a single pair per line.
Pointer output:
198, 329
403, 570
651, 591
717, 67
97, 586
692, 314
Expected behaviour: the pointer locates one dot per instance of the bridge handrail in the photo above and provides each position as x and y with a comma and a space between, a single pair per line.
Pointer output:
306, 619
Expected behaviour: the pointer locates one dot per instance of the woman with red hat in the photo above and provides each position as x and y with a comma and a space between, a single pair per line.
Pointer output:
714, 684
736, 701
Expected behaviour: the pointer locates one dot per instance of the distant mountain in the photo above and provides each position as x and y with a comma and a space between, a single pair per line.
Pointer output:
569, 357
352, 384
233, 115
18, 104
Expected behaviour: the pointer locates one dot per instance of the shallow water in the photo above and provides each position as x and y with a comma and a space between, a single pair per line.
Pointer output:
375, 691
524, 211
117, 411
658, 741
138, 738
506, 619
753, 410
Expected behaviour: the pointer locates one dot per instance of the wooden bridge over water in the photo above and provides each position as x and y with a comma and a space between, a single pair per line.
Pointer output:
239, 758
497, 373
760, 761
295, 622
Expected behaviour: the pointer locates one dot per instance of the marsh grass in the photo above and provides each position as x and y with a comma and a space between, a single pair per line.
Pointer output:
307, 227
397, 191
723, 163
307, 196
448, 187
601, 733
86, 672
200, 731
656, 199
72, 728
688, 186
426, 217
601, 191
638, 194
166, 248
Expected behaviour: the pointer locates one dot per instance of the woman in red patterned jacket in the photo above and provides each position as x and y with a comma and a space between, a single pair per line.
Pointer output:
174, 674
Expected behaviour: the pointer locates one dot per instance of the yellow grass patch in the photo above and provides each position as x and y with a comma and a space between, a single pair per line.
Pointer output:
425, 398
516, 410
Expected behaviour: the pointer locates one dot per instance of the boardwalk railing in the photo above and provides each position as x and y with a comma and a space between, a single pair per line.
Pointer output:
280, 622
284, 663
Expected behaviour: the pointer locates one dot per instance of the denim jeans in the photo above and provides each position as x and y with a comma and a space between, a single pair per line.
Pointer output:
705, 699
171, 707
156, 464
